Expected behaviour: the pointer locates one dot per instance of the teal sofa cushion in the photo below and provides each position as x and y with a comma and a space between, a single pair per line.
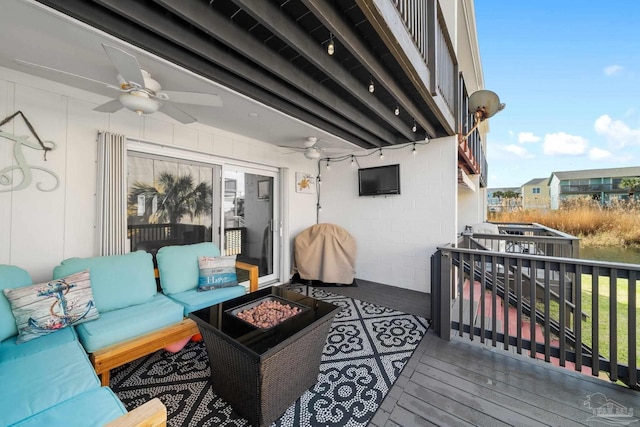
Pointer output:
10, 277
193, 300
93, 408
119, 325
117, 280
11, 350
178, 266
43, 379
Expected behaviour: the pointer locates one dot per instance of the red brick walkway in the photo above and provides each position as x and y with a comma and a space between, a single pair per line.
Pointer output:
513, 323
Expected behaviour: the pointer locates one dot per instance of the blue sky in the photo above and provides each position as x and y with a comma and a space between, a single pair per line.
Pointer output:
569, 72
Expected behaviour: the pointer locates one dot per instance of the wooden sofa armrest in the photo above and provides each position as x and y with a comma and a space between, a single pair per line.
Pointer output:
105, 359
253, 274
151, 414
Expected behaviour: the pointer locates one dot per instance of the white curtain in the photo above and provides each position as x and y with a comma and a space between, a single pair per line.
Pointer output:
112, 194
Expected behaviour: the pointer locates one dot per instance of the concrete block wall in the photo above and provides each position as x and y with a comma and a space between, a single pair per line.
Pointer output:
396, 235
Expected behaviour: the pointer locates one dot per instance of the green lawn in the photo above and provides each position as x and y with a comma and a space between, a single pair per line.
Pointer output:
622, 296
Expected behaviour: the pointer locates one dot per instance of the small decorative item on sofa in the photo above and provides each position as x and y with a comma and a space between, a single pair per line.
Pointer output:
47, 307
217, 272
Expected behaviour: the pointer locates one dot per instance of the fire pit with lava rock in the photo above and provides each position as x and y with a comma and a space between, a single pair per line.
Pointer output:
267, 313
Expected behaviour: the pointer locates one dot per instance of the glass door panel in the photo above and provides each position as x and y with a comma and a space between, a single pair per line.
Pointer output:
170, 202
249, 211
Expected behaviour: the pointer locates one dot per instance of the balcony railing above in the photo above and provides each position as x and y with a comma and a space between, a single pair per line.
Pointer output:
427, 30
591, 188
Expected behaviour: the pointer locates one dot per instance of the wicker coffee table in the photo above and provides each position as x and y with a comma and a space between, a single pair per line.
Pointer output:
261, 372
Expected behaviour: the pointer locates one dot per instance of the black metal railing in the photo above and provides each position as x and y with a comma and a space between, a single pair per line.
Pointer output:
560, 309
151, 237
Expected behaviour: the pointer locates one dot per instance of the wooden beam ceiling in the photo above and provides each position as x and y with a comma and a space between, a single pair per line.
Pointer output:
352, 41
274, 53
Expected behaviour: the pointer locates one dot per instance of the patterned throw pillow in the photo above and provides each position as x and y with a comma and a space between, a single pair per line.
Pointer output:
217, 272
46, 307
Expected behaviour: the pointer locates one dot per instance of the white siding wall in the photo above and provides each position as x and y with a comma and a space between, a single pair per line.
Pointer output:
471, 204
40, 229
396, 235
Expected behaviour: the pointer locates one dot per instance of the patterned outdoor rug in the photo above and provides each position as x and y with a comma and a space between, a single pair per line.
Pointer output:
366, 349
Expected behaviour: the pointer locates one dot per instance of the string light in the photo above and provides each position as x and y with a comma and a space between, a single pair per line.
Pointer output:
328, 165
319, 207
397, 110
380, 151
319, 180
372, 88
331, 47
414, 128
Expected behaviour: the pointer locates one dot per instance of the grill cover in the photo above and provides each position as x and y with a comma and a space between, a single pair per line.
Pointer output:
325, 252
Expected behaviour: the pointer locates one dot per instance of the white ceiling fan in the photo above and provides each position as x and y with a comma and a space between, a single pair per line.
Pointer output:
314, 148
139, 92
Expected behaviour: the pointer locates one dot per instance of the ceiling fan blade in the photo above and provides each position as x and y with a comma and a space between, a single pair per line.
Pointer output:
322, 144
126, 64
177, 114
109, 107
194, 98
63, 73
291, 147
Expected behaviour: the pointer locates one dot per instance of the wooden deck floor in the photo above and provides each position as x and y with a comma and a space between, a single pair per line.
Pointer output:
463, 382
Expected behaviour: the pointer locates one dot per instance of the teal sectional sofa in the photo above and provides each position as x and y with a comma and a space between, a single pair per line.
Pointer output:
60, 377
49, 381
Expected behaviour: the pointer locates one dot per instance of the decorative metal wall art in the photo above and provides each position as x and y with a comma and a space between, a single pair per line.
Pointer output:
21, 165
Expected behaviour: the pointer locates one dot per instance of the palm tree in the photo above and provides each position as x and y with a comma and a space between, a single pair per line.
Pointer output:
632, 184
176, 196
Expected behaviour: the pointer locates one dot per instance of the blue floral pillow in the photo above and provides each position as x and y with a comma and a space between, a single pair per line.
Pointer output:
46, 307
217, 272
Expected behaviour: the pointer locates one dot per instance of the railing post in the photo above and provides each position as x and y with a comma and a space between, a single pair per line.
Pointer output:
445, 295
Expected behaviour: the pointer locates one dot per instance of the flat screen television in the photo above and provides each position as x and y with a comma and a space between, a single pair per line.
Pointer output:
379, 181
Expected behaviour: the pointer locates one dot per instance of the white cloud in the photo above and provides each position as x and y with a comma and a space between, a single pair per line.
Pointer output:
564, 144
612, 69
518, 151
616, 131
599, 154
524, 137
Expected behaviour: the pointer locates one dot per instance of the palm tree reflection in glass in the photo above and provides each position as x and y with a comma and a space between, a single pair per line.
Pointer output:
175, 197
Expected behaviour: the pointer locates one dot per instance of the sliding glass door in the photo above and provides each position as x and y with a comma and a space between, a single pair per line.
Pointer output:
249, 211
181, 198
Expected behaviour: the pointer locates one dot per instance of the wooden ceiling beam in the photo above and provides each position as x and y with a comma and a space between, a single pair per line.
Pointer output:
229, 70
204, 17
276, 21
310, 112
351, 40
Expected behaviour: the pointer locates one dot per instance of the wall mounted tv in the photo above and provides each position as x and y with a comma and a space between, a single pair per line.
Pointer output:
379, 181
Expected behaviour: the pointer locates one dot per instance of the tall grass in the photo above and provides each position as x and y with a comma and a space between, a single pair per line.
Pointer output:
615, 225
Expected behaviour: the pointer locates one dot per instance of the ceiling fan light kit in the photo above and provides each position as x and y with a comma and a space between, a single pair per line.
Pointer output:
312, 153
140, 102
